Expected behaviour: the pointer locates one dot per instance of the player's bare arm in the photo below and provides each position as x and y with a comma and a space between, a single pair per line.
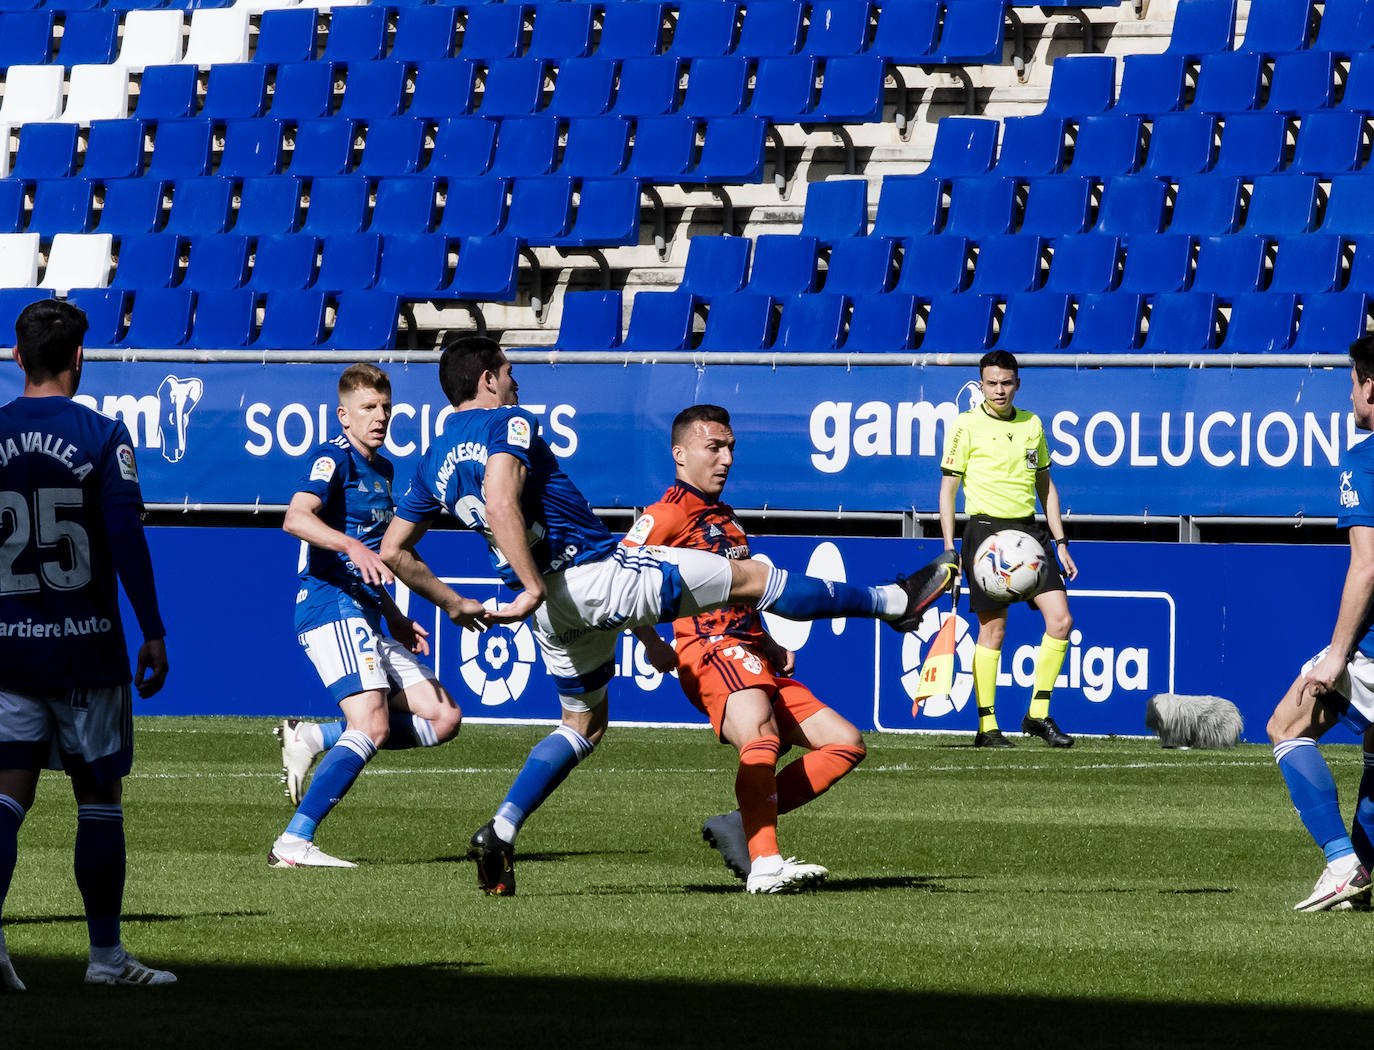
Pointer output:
1048, 492
661, 655
784, 660
398, 552
504, 483
1356, 596
949, 490
405, 630
304, 522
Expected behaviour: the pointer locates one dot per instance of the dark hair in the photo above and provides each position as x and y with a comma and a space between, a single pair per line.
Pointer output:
1362, 357
47, 334
698, 414
998, 359
462, 364
356, 377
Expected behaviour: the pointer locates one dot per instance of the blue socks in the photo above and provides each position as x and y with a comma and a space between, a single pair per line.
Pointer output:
1362, 826
338, 769
11, 816
330, 733
548, 765
799, 597
1313, 791
99, 866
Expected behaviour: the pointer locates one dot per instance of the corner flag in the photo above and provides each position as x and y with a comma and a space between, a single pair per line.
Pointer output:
937, 673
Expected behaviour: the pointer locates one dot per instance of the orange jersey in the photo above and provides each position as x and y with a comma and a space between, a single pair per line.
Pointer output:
685, 518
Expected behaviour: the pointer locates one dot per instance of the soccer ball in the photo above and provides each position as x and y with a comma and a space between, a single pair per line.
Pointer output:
1010, 566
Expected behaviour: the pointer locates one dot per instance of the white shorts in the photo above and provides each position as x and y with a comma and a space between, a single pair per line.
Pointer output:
352, 657
84, 731
1353, 699
586, 607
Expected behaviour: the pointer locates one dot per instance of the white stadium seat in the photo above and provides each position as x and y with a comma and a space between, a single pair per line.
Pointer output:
96, 93
32, 93
217, 35
78, 260
18, 260
151, 38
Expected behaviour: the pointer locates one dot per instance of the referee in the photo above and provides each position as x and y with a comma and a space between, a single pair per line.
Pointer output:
999, 454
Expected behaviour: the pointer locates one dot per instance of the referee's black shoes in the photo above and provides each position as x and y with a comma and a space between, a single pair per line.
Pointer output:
992, 738
1046, 730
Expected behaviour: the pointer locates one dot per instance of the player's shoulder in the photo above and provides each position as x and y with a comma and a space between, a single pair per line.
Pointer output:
330, 458
1027, 417
513, 426
661, 520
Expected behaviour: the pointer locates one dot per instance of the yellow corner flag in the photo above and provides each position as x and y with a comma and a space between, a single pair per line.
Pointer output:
937, 673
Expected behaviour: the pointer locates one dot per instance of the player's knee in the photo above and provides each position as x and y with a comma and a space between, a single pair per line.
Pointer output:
747, 580
1058, 625
991, 633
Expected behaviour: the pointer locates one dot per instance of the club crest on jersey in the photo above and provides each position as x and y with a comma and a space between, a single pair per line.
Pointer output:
639, 532
1349, 497
518, 432
1032, 459
713, 532
323, 469
128, 469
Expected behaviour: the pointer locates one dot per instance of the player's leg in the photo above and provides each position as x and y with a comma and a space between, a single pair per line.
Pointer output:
987, 657
1049, 660
1362, 824
1297, 723
834, 747
302, 743
17, 788
423, 713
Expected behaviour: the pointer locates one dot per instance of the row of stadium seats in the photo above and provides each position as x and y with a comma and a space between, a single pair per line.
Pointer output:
783, 89
1042, 322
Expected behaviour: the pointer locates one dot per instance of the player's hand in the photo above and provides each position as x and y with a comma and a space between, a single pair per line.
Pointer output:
152, 667
369, 563
784, 661
662, 657
1066, 562
467, 613
514, 611
410, 634
1322, 677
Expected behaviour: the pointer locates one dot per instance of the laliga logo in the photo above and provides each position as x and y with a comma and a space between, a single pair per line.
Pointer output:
496, 663
176, 399
914, 649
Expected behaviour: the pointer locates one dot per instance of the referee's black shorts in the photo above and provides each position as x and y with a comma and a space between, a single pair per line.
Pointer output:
978, 528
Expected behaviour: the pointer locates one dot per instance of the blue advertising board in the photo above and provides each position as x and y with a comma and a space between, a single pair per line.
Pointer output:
1123, 440
1148, 618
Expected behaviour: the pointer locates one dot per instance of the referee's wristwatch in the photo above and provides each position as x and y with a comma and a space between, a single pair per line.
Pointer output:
1063, 541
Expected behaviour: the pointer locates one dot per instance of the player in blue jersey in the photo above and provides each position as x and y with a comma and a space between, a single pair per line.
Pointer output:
389, 698
1337, 685
492, 471
71, 522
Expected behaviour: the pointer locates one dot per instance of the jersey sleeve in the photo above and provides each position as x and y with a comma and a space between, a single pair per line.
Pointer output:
515, 432
955, 459
1357, 492
660, 525
420, 503
119, 471
325, 474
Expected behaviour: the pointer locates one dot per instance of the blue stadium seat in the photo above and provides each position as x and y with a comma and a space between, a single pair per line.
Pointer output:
425, 34
405, 205
909, 206
607, 214
88, 38
1331, 320
514, 87
596, 147
1345, 28
861, 266
291, 321
1228, 83
907, 31
252, 148
1035, 323
1330, 143
375, 90
1151, 84
837, 28
303, 91
1159, 263
525, 147
104, 309
771, 30
1009, 264
285, 262
1275, 26
492, 31
1280, 205
268, 206
1261, 322
479, 207
114, 150
584, 88
1182, 323
1080, 85
365, 321
488, 268
715, 87
1107, 323
181, 149
323, 147
851, 90
663, 148
981, 207
631, 30
168, 92
11, 205
660, 322
715, 266
648, 87
1349, 207
1362, 266
1107, 144
1084, 263
349, 261
224, 319
740, 322
161, 318
963, 146
201, 205
123, 6
1031, 146
463, 147
286, 35
414, 266
1181, 144
561, 31
972, 33
46, 151
836, 210
1202, 27
784, 265
1252, 144
882, 324
356, 35
14, 300
132, 206
235, 90
393, 146
147, 261
1206, 205
591, 321
443, 88
1302, 82
811, 323
540, 209
337, 205
932, 266
63, 206
1056, 206
25, 38
1230, 265
704, 30
1307, 263
784, 87
959, 324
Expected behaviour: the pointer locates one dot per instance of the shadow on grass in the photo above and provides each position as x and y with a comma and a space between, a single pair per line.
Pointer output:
462, 1004
551, 855
43, 920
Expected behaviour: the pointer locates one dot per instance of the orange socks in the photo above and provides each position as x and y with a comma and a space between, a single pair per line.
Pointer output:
756, 790
814, 773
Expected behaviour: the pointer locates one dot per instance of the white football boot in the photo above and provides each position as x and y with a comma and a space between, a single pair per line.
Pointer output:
297, 757
789, 876
1342, 881
726, 834
292, 851
130, 971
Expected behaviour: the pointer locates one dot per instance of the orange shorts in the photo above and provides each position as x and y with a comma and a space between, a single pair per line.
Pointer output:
710, 674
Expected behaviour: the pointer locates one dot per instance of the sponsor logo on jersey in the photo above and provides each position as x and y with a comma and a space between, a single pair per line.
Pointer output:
128, 469
323, 469
639, 532
1349, 497
518, 432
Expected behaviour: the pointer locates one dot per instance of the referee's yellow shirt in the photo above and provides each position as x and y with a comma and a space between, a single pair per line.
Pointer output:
998, 460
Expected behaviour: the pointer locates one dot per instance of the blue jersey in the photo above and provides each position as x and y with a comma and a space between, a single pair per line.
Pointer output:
62, 466
561, 527
1355, 501
356, 497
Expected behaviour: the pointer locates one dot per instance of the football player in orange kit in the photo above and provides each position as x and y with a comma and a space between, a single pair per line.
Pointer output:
732, 670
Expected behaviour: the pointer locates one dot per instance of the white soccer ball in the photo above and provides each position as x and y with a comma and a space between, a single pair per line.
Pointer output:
1010, 566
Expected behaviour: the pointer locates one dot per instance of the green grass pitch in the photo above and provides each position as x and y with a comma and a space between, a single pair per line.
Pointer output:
1111, 895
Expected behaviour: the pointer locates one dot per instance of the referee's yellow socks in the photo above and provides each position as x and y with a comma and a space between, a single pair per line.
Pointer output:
985, 663
1048, 663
